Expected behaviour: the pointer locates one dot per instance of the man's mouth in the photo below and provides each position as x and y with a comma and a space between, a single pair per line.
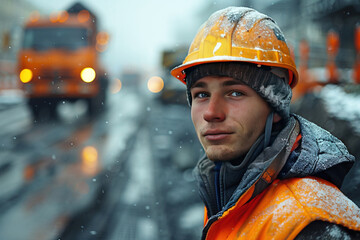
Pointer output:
216, 135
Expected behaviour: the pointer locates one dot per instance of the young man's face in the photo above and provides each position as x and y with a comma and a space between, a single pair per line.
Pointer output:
228, 116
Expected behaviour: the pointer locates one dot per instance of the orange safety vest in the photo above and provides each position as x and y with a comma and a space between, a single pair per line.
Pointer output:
283, 209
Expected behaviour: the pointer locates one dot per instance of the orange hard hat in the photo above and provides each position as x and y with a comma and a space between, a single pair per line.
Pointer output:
239, 34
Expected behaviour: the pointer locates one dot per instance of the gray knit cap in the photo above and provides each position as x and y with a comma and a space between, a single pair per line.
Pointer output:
271, 83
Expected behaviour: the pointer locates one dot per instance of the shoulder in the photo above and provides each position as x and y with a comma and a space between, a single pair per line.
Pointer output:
321, 139
319, 230
313, 192
323, 201
309, 188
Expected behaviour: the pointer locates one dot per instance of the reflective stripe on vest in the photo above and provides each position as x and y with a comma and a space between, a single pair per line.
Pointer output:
285, 208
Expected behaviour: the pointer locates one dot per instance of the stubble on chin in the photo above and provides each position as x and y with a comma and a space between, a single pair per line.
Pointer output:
221, 154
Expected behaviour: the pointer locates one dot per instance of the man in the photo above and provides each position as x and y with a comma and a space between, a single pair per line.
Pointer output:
267, 174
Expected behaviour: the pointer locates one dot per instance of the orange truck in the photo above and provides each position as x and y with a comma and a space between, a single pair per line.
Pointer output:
59, 61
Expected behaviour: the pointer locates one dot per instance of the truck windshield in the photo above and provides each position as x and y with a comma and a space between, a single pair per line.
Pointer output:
48, 38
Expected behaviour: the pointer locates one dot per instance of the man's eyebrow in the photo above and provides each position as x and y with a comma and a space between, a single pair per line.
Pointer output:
232, 82
199, 84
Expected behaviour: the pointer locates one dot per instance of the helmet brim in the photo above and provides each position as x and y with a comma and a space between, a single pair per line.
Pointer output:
179, 71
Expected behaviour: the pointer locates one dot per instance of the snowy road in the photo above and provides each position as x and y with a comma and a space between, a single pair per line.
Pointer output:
50, 169
146, 195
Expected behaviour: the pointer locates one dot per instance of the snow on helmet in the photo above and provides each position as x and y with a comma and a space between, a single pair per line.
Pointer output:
239, 34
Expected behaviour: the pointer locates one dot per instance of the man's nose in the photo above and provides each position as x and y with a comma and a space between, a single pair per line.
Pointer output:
215, 111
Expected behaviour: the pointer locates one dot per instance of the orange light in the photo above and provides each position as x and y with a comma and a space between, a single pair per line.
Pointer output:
90, 161
116, 87
89, 155
63, 16
26, 75
83, 16
35, 16
155, 84
53, 17
102, 38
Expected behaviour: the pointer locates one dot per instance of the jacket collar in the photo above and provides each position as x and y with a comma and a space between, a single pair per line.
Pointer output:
320, 154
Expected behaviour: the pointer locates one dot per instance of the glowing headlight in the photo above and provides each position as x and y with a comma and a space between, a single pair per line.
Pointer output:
26, 75
88, 74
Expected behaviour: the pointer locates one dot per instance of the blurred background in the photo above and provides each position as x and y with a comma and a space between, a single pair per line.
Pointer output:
96, 140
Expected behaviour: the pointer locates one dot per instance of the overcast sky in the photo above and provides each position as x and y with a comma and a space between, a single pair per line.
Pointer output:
139, 30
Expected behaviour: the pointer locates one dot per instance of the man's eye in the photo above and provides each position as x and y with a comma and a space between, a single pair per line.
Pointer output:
236, 94
201, 95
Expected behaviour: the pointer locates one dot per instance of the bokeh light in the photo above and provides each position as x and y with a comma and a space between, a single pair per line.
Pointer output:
116, 86
83, 16
35, 16
53, 17
63, 16
90, 162
155, 84
88, 74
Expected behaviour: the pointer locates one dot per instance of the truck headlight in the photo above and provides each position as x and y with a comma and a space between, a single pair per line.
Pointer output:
26, 75
88, 74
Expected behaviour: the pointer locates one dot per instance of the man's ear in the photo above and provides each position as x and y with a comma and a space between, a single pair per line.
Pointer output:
276, 118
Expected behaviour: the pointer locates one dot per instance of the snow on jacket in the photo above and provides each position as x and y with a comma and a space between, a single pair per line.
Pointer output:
318, 155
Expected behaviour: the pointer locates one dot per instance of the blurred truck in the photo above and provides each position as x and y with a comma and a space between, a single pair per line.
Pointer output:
174, 90
59, 61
